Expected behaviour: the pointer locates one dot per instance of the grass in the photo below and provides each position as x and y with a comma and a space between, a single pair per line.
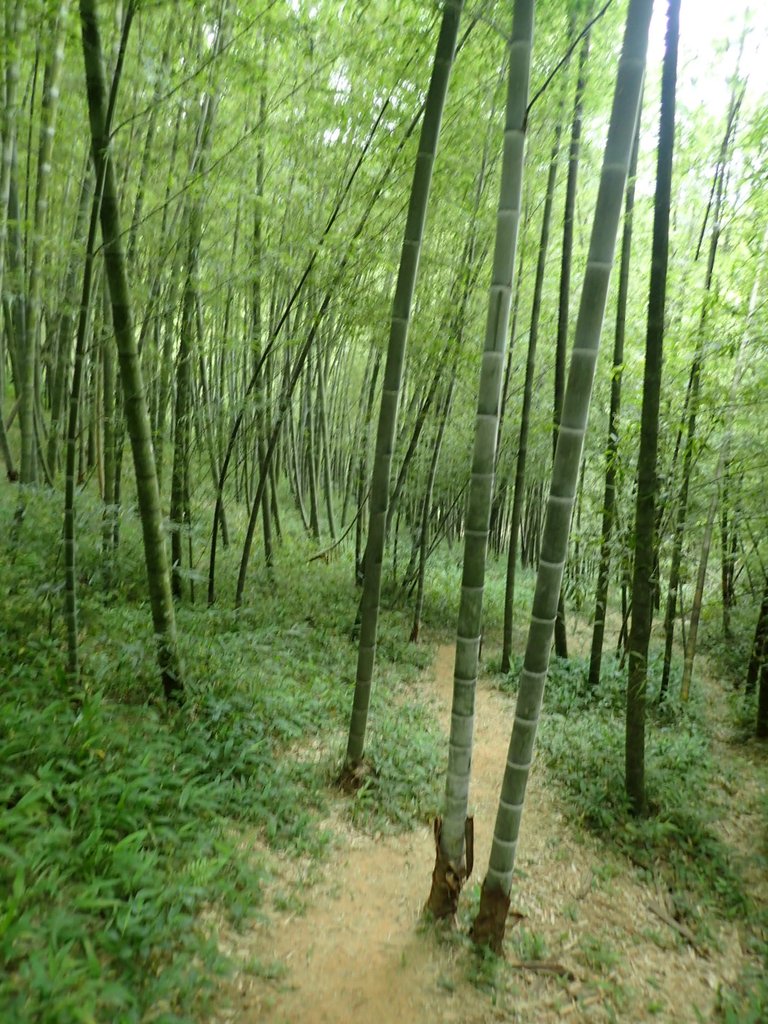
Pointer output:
406, 758
443, 592
746, 1001
689, 788
677, 837
528, 944
124, 826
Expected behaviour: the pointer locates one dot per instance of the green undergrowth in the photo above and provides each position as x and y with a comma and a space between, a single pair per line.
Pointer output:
729, 655
745, 1001
115, 837
406, 756
581, 739
126, 829
443, 591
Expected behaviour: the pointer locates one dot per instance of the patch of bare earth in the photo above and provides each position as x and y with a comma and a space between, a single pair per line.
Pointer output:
354, 952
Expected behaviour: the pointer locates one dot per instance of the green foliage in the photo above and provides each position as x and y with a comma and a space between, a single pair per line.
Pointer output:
115, 838
529, 945
442, 587
486, 973
405, 755
597, 954
125, 827
568, 691
729, 655
747, 1001
441, 596
395, 650
272, 970
588, 761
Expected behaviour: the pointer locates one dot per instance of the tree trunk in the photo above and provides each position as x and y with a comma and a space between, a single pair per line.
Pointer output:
309, 452
728, 552
362, 475
70, 540
387, 426
453, 858
65, 324
262, 417
563, 315
426, 507
759, 645
612, 444
182, 414
108, 402
135, 405
645, 514
70, 481
325, 448
722, 461
761, 723
489, 925
694, 386
29, 361
13, 29
525, 415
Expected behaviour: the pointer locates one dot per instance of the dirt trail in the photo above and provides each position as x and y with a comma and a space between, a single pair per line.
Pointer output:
357, 954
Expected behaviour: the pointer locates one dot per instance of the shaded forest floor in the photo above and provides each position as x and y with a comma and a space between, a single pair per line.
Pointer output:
196, 864
600, 939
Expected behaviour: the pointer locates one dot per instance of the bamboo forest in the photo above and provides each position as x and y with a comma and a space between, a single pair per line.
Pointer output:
383, 525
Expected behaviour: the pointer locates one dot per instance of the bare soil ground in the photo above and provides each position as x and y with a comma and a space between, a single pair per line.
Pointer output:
350, 948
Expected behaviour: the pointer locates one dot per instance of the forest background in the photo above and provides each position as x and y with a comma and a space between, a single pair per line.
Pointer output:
192, 361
